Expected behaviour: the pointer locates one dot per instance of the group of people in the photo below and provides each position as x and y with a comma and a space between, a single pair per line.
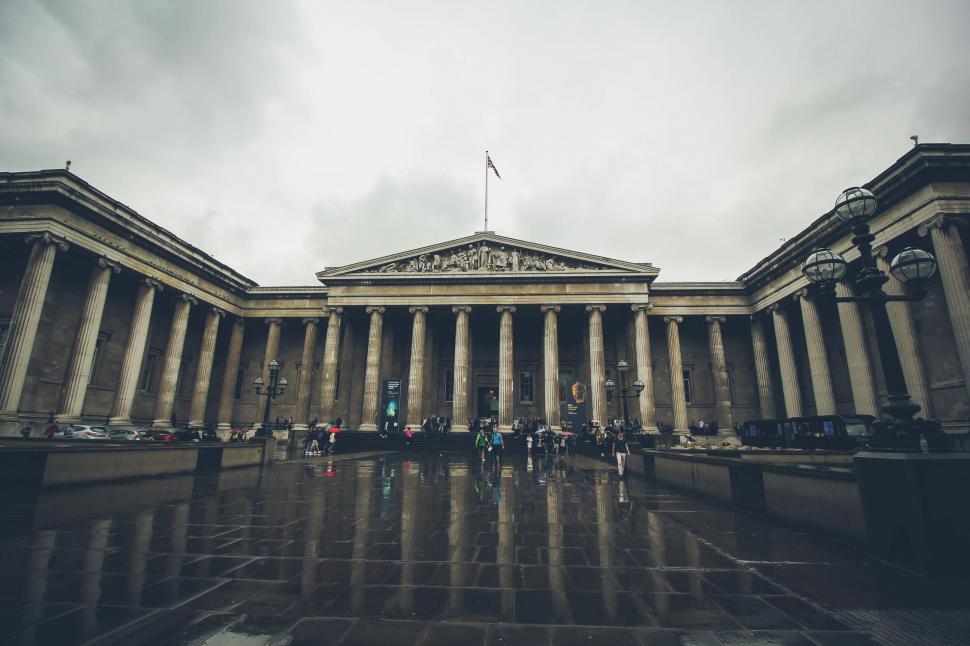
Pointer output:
551, 442
321, 439
488, 440
436, 424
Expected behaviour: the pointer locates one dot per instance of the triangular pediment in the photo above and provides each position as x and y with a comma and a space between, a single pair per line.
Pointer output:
485, 254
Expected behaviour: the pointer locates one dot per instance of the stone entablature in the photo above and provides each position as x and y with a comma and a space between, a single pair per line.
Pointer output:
483, 258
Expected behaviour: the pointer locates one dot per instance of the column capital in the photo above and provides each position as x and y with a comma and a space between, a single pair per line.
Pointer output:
370, 309
333, 309
505, 308
641, 307
188, 298
467, 309
774, 307
153, 284
310, 320
110, 265
275, 319
240, 321
418, 308
596, 308
938, 221
550, 308
800, 294
47, 237
673, 319
221, 313
882, 251
719, 319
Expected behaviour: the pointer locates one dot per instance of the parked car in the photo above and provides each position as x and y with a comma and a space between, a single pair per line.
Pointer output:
210, 435
128, 435
80, 432
158, 435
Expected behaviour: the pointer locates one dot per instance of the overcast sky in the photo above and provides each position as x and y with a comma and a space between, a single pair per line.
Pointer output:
285, 137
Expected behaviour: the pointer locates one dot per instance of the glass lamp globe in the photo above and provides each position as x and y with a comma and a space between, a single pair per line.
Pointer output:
913, 263
258, 383
824, 266
610, 385
855, 204
622, 366
283, 384
638, 386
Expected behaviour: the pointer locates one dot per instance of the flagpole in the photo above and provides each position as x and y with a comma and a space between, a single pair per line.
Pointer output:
486, 190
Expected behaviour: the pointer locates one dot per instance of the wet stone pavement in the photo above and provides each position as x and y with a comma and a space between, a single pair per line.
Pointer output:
422, 550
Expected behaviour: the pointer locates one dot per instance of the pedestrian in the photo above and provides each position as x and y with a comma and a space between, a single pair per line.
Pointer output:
308, 440
621, 450
314, 447
498, 445
528, 444
51, 429
332, 444
481, 442
25, 432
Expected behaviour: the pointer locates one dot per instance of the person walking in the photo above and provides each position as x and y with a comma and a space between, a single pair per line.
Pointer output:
528, 444
621, 450
498, 445
481, 443
314, 446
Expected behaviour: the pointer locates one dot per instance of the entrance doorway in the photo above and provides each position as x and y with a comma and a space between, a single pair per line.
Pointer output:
488, 401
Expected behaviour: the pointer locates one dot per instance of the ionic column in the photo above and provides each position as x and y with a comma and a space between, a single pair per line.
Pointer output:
273, 330
506, 369
79, 366
818, 360
550, 363
134, 353
597, 363
648, 401
24, 321
856, 353
172, 362
786, 363
227, 396
372, 373
952, 259
762, 369
328, 369
722, 389
203, 374
904, 332
677, 395
301, 423
416, 376
462, 368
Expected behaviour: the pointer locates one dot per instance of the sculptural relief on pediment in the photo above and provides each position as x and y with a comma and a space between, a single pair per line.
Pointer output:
482, 257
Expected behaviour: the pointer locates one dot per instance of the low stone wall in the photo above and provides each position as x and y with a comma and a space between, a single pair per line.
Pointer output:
32, 463
816, 496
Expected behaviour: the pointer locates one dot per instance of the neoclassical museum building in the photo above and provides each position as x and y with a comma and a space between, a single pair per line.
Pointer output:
107, 318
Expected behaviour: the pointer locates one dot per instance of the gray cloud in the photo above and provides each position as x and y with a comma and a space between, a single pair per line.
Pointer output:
691, 135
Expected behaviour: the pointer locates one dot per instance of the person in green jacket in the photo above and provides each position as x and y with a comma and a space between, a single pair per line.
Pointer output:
481, 443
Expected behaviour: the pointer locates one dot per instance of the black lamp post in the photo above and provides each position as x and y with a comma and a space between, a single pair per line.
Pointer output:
638, 386
898, 430
275, 388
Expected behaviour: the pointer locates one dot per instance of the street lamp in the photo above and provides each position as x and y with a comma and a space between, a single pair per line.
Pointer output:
622, 367
914, 267
275, 388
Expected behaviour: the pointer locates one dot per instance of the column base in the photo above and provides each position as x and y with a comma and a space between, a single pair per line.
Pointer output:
301, 427
121, 423
505, 429
161, 423
368, 428
459, 428
224, 426
196, 424
67, 420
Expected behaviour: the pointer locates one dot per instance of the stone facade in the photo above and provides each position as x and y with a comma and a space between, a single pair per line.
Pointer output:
108, 318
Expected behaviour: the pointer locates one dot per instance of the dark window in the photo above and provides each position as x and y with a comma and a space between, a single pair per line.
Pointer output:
526, 386
336, 385
147, 381
180, 380
565, 382
4, 333
449, 385
240, 377
96, 358
688, 396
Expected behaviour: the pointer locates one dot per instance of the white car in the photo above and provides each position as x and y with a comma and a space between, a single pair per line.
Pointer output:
130, 435
78, 432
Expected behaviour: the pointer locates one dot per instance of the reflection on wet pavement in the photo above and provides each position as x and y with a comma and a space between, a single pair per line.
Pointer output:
437, 550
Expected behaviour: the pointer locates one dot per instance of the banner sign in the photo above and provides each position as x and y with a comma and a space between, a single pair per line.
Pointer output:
390, 405
576, 407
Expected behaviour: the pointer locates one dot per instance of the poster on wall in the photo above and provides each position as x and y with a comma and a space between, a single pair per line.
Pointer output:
576, 407
390, 405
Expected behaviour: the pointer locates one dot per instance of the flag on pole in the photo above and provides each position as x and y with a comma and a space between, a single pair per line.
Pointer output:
489, 164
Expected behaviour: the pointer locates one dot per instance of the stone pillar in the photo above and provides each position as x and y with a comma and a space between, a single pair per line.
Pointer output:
134, 354
904, 331
302, 418
952, 259
24, 321
786, 363
80, 365
274, 327
372, 373
597, 363
648, 402
818, 359
416, 376
172, 361
722, 389
506, 369
229, 375
677, 395
203, 374
550, 363
762, 369
328, 369
856, 353
461, 370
